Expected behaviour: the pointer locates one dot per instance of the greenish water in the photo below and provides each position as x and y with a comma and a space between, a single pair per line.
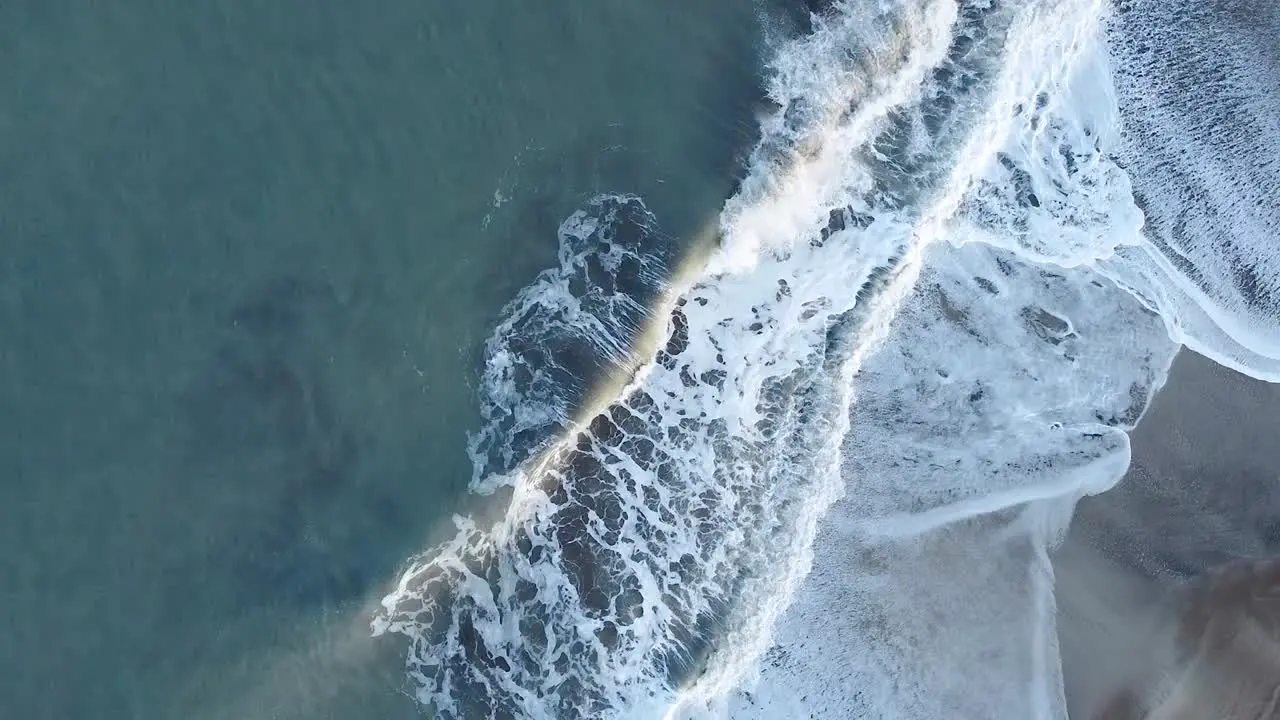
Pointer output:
250, 253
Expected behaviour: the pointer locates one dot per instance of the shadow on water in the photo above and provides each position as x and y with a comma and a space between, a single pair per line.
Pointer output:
264, 408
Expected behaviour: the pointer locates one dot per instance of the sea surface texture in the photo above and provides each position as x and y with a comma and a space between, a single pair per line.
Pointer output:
610, 359
250, 255
814, 466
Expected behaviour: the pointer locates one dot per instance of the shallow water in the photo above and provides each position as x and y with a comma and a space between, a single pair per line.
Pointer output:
251, 252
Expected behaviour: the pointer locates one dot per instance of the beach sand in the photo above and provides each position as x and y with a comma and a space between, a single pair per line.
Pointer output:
1166, 571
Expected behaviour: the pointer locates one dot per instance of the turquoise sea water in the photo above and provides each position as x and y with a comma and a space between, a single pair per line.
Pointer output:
249, 254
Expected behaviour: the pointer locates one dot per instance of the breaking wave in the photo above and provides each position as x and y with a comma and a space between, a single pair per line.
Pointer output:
933, 312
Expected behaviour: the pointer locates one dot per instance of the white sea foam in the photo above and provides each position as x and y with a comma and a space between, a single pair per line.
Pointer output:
574, 323
931, 594
932, 316
1200, 112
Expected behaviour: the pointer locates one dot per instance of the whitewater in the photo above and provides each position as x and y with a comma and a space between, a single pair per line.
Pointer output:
816, 465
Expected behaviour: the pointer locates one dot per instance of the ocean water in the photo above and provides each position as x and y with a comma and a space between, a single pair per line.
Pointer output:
250, 255
743, 360
823, 464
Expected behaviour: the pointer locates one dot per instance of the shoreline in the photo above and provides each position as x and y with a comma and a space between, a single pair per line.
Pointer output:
1201, 493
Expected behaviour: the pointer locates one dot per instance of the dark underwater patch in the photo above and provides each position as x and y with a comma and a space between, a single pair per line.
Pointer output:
264, 423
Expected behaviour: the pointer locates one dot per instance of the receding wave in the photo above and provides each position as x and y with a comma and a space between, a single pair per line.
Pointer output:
1199, 109
933, 310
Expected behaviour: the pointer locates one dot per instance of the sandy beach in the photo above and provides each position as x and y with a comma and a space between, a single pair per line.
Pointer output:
1182, 535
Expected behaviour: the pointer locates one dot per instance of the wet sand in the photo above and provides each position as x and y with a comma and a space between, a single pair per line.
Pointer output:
1165, 570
